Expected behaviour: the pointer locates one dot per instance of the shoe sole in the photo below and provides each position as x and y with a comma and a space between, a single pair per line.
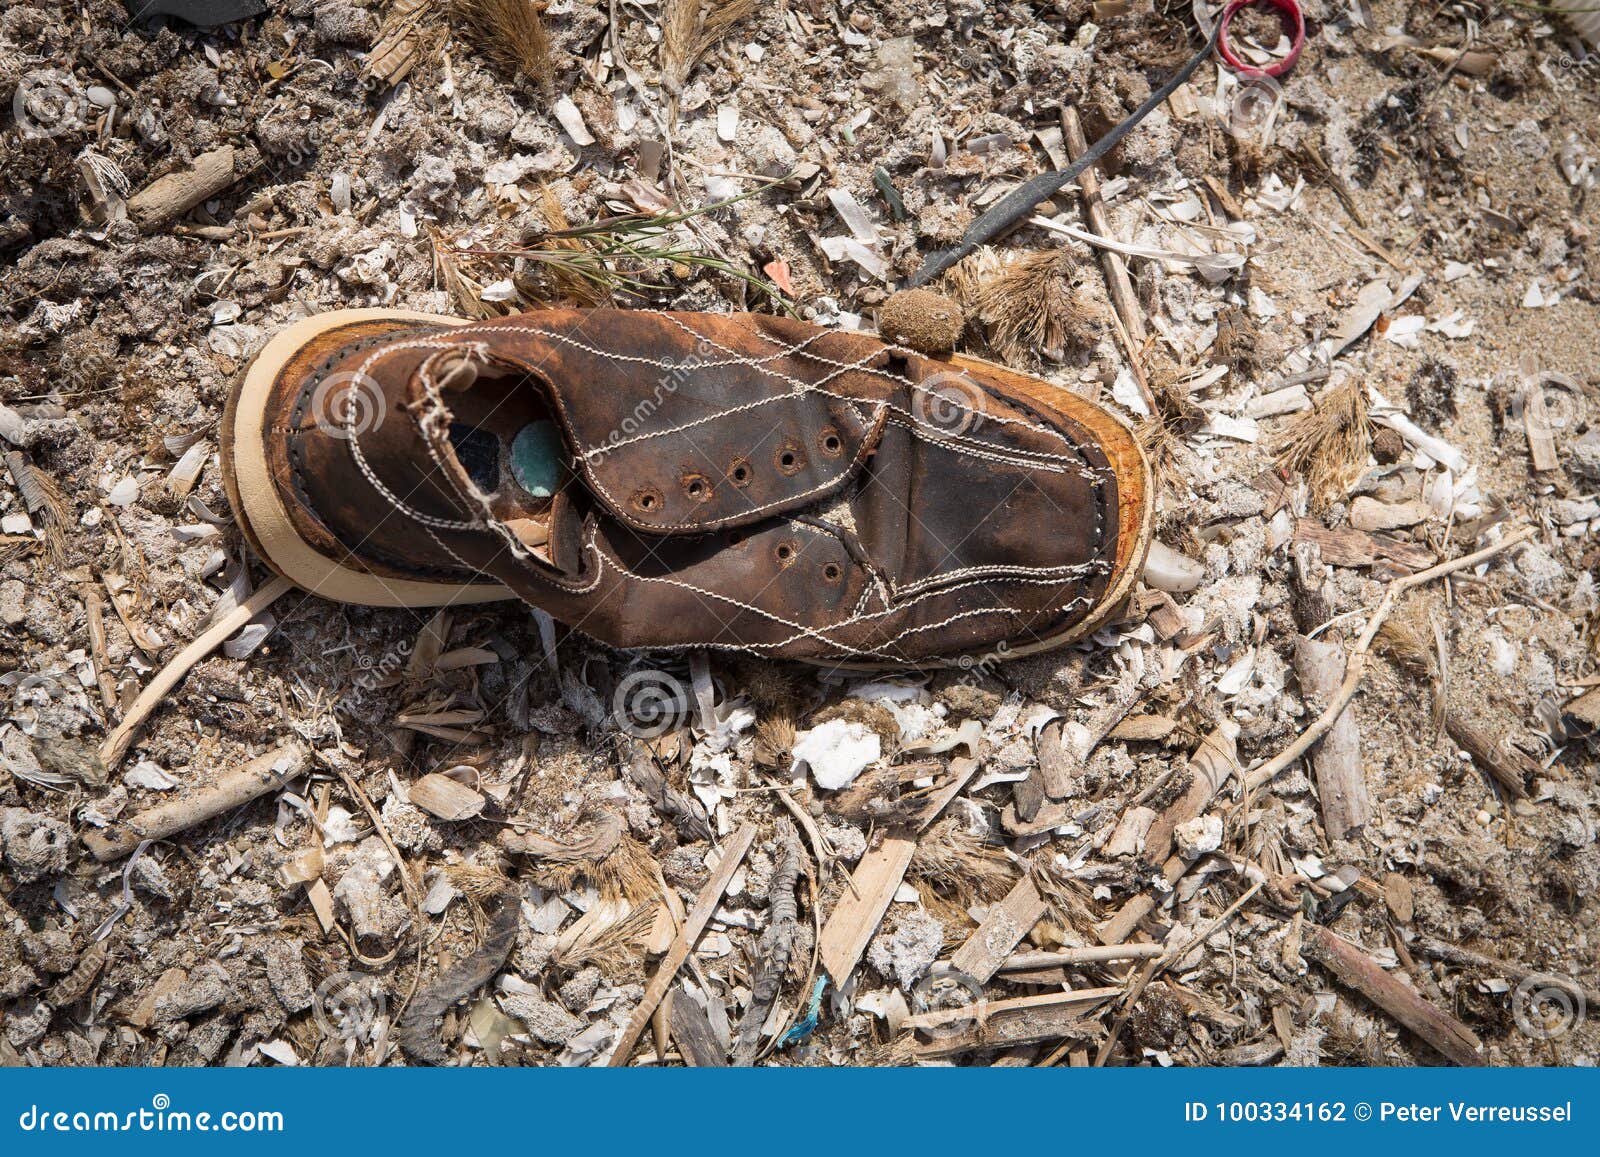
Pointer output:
268, 528
262, 516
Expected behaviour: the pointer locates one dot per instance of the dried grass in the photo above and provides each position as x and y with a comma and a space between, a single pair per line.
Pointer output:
614, 862
1329, 444
617, 951
510, 33
1032, 308
959, 866
688, 30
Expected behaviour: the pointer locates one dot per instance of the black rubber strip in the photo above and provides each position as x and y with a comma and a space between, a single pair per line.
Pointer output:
1020, 201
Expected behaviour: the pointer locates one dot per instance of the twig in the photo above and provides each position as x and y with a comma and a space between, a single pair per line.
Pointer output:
1132, 329
1356, 664
231, 790
1072, 957
117, 743
1358, 970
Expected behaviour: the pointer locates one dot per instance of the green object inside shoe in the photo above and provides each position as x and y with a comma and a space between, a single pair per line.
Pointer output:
537, 453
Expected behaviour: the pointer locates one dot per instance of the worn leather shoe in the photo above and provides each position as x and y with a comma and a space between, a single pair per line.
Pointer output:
686, 480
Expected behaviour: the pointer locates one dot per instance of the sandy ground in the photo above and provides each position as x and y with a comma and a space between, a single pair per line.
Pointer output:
1456, 162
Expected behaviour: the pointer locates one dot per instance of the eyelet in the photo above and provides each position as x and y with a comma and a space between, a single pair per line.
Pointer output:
786, 553
790, 458
829, 442
833, 572
648, 500
740, 472
697, 487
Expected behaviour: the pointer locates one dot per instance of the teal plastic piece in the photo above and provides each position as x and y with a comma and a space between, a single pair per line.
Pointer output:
537, 454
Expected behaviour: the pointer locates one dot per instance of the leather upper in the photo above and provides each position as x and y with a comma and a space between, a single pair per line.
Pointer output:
738, 481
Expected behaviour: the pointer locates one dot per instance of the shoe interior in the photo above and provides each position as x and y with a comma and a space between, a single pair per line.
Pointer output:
507, 442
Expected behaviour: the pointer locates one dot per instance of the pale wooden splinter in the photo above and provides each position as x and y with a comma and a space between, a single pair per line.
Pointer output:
705, 905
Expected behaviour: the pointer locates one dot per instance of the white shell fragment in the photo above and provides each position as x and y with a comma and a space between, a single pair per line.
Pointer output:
837, 752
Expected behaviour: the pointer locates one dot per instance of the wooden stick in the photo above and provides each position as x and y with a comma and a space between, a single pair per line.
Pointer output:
1355, 968
1070, 957
1341, 776
1356, 664
234, 789
117, 743
175, 194
1118, 286
705, 905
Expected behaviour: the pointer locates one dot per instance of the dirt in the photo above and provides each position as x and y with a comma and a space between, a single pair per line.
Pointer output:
118, 344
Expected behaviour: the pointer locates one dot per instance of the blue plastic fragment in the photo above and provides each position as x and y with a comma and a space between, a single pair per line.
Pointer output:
807, 1024
537, 453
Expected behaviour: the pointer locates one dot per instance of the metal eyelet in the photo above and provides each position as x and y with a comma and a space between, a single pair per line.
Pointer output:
790, 458
698, 487
740, 472
786, 552
832, 572
829, 442
648, 500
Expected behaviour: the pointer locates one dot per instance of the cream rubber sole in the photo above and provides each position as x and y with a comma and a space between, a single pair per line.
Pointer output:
260, 508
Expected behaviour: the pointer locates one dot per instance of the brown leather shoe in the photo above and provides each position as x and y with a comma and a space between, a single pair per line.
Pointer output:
673, 480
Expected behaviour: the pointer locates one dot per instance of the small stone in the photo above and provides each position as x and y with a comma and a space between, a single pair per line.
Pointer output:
921, 320
910, 950
35, 845
546, 1020
579, 991
1199, 836
1583, 458
1369, 514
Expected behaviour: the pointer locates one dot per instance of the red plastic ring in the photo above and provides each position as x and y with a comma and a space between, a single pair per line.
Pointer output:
1294, 23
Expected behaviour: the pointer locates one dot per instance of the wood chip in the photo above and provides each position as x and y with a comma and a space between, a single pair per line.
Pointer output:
446, 799
861, 908
1001, 931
